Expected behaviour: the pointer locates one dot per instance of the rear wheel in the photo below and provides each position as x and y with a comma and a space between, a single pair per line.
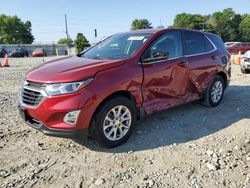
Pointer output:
114, 122
214, 92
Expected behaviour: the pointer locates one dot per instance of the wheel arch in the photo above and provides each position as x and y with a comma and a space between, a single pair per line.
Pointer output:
124, 93
224, 76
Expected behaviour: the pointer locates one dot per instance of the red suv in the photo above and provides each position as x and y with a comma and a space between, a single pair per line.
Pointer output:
104, 90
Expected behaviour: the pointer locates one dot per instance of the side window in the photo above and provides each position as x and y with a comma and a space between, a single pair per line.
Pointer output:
208, 45
194, 43
216, 40
167, 46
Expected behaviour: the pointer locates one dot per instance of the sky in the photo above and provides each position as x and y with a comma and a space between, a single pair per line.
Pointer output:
107, 16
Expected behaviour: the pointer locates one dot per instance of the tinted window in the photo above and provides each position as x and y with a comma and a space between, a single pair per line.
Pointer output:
168, 45
194, 43
216, 40
208, 45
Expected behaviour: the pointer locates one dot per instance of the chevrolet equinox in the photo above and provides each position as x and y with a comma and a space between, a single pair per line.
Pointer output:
105, 89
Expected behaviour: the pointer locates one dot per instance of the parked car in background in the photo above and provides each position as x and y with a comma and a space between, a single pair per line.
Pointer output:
39, 52
3, 52
105, 89
229, 43
19, 52
236, 47
245, 63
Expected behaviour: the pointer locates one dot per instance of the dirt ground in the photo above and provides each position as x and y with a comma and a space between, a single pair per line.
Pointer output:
186, 146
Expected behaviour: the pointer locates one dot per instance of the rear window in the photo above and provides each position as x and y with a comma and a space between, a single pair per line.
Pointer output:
216, 40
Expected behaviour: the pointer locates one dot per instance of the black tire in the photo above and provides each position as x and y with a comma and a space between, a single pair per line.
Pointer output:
245, 71
207, 100
97, 124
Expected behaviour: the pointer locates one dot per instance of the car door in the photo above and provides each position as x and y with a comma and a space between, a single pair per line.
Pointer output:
203, 59
166, 73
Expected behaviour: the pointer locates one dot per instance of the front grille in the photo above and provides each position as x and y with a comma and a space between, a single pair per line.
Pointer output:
35, 85
32, 94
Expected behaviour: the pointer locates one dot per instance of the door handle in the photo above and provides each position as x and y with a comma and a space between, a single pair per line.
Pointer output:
183, 64
213, 57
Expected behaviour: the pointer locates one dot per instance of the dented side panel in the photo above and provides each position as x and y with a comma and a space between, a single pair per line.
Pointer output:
169, 83
203, 68
165, 84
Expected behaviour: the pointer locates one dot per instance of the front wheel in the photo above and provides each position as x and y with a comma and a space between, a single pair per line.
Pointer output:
114, 122
214, 92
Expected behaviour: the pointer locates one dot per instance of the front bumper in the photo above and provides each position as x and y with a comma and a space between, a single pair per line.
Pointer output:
38, 125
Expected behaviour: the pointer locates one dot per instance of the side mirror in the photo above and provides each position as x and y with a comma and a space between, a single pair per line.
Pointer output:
156, 56
159, 54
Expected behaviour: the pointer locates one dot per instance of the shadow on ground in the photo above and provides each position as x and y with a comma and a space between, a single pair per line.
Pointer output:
185, 123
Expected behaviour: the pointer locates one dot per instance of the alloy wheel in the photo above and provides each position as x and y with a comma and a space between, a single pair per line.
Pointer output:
117, 123
217, 91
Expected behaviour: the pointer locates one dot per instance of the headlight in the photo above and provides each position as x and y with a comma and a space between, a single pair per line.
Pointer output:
64, 88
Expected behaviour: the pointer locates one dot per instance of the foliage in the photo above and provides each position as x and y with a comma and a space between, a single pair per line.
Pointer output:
69, 41
189, 21
229, 25
14, 31
81, 42
225, 24
244, 28
140, 24
160, 27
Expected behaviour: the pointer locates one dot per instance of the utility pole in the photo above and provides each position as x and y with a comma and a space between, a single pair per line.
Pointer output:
66, 26
95, 36
67, 34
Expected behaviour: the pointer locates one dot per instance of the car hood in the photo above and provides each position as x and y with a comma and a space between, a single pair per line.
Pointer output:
69, 69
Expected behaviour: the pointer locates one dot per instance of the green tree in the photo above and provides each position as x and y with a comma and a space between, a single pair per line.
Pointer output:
140, 24
244, 27
160, 27
225, 24
189, 21
81, 42
69, 41
14, 31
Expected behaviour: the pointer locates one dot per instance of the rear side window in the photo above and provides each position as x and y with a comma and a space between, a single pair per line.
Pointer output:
216, 40
196, 43
208, 45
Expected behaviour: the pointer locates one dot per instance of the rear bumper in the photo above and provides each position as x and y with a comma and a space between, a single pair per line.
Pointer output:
63, 133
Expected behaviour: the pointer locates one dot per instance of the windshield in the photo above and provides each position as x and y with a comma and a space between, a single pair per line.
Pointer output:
118, 46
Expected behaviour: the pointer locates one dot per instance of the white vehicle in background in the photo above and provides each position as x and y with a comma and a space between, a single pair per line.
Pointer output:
245, 63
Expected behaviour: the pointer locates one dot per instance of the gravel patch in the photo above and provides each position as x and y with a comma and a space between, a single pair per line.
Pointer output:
186, 146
